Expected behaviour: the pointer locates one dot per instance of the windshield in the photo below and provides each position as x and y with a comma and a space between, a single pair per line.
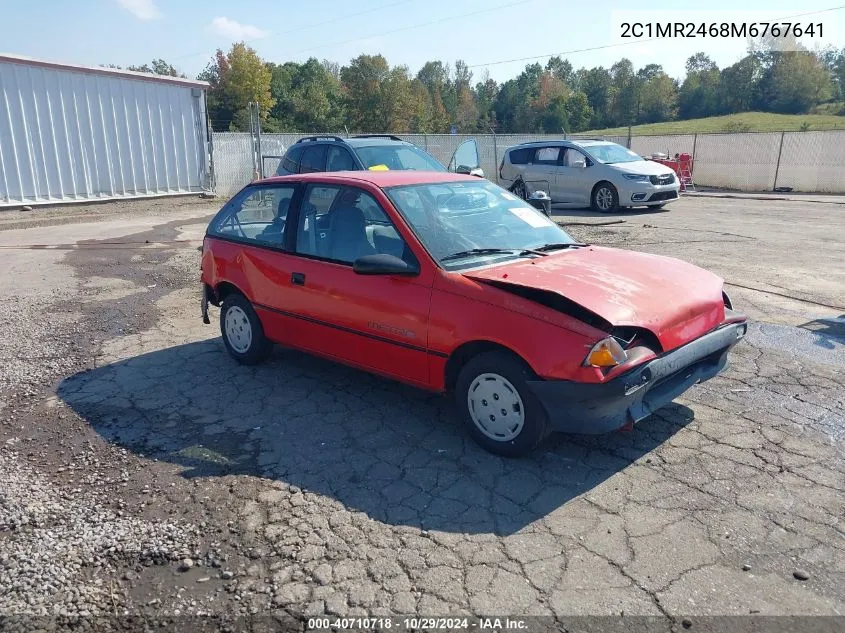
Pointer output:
398, 157
453, 218
612, 153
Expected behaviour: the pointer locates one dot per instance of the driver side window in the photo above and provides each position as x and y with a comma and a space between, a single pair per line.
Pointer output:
574, 158
344, 223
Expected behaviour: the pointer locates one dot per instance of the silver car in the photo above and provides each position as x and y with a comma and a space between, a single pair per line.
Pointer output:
600, 174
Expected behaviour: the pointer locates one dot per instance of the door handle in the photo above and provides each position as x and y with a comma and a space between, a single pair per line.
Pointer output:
297, 279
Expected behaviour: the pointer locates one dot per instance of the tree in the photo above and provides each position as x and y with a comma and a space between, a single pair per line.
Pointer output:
658, 99
700, 62
595, 84
562, 69
157, 67
550, 104
485, 99
377, 96
420, 108
700, 93
624, 97
235, 80
738, 85
578, 112
793, 83
308, 97
248, 80
834, 61
220, 108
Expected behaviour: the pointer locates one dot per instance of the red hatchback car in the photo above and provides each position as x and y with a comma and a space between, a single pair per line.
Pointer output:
450, 283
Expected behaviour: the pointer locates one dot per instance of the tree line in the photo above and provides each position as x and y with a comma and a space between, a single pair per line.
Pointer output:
370, 95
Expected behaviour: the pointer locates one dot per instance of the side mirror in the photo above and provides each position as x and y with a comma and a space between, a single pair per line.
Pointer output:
383, 264
478, 172
463, 169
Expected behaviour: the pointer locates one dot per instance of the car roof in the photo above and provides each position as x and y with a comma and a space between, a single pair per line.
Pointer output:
354, 141
380, 179
585, 142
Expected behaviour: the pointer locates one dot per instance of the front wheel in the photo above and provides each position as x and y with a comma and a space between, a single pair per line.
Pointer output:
498, 409
242, 332
520, 191
605, 198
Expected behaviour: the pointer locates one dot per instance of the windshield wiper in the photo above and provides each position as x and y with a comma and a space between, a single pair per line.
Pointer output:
477, 251
558, 246
522, 252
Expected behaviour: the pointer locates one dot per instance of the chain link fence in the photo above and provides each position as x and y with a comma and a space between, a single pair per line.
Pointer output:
749, 161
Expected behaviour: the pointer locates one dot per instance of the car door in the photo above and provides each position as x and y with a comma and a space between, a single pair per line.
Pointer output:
575, 178
543, 172
376, 322
254, 255
465, 160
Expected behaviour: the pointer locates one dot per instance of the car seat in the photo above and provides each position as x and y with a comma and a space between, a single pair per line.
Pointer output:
348, 239
274, 231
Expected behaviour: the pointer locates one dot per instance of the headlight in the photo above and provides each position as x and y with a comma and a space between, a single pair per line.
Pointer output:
606, 353
637, 177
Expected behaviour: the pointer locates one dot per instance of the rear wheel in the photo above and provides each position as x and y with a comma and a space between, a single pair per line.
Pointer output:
605, 198
498, 409
242, 332
520, 191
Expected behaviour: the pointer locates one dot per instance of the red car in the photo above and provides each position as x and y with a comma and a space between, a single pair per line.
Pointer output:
450, 283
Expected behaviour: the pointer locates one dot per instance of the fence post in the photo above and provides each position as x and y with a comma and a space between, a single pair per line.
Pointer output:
252, 140
629, 137
425, 140
258, 139
694, 143
777, 166
495, 155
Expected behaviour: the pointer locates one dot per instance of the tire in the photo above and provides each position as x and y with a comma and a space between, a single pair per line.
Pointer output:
242, 332
605, 198
520, 190
503, 377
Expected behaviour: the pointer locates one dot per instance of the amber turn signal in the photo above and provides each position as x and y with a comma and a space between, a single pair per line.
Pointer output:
606, 353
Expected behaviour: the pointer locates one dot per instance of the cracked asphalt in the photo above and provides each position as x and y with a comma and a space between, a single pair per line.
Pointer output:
302, 488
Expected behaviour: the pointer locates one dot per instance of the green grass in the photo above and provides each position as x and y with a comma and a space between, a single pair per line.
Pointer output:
742, 122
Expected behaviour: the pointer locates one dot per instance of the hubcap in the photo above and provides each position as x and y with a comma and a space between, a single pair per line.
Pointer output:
238, 329
495, 407
604, 198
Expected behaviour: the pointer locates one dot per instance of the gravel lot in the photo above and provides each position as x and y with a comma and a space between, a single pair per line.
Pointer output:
144, 474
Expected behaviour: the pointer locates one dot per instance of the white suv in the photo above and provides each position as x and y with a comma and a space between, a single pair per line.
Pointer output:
600, 174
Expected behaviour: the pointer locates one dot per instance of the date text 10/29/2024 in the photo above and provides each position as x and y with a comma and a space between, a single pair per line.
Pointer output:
417, 623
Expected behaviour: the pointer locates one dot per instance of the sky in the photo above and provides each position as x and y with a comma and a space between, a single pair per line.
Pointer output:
485, 33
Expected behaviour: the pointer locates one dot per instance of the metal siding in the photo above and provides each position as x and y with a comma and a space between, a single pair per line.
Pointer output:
73, 135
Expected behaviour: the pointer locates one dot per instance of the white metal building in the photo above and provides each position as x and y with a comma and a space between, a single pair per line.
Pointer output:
75, 133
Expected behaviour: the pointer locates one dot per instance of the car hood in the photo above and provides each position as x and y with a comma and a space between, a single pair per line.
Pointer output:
674, 300
643, 167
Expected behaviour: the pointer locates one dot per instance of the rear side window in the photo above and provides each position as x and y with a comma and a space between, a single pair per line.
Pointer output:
313, 159
339, 159
521, 156
290, 163
257, 215
548, 156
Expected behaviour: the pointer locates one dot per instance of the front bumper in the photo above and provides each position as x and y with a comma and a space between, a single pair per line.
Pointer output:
642, 194
594, 408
